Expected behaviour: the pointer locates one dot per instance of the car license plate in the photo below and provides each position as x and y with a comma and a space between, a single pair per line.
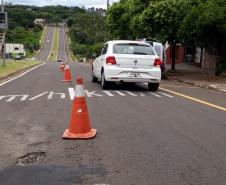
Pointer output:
134, 75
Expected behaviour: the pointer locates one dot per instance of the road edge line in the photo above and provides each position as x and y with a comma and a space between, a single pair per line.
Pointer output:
24, 73
195, 99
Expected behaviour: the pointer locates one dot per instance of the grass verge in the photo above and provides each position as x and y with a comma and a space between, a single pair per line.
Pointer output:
13, 67
54, 51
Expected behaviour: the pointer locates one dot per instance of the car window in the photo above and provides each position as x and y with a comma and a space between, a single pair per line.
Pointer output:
104, 51
133, 48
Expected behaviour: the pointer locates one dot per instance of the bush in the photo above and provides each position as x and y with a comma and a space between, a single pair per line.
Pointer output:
87, 50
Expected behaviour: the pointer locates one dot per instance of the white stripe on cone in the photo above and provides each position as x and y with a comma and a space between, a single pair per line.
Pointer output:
79, 91
66, 67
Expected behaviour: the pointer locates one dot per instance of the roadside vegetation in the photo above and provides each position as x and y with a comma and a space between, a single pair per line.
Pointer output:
54, 51
87, 33
200, 23
15, 66
22, 29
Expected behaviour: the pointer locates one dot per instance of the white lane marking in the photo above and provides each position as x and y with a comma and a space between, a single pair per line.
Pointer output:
166, 94
36, 97
50, 96
156, 95
71, 93
108, 93
21, 74
92, 93
132, 94
120, 93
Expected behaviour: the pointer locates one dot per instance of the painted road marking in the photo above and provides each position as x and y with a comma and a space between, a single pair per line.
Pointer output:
49, 95
108, 93
156, 95
120, 93
180, 86
92, 93
21, 74
71, 93
132, 94
142, 94
195, 99
38, 96
62, 95
12, 97
165, 94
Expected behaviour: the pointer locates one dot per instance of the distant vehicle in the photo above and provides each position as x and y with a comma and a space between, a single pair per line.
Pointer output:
48, 41
59, 30
59, 60
159, 49
19, 56
127, 61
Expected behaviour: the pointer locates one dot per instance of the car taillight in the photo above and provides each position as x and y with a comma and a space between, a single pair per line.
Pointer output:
157, 62
110, 60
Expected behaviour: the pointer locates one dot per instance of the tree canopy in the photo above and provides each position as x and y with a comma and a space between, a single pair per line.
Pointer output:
191, 22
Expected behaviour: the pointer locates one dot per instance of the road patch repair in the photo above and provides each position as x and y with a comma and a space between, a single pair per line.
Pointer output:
31, 158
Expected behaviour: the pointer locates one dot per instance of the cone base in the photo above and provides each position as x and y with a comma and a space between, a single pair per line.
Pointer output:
66, 80
89, 135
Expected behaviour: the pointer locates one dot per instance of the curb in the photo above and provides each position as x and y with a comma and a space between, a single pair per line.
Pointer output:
199, 84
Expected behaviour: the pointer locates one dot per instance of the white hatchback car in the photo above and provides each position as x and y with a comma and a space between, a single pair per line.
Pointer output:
127, 61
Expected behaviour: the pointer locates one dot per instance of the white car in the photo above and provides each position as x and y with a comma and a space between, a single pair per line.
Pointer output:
127, 61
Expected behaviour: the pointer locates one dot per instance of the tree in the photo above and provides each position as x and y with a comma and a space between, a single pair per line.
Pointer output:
118, 20
205, 26
162, 20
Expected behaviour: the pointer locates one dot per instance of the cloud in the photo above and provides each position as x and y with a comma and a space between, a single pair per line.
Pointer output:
86, 3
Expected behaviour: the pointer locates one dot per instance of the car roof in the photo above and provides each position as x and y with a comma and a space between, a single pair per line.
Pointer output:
127, 41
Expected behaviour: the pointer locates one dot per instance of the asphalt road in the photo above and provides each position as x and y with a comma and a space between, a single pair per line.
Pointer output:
46, 49
62, 54
144, 138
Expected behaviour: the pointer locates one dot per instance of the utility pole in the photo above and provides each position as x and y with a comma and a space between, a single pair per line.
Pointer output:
2, 6
3, 55
108, 4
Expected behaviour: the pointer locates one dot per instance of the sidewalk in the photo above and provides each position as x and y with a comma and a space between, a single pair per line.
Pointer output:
190, 74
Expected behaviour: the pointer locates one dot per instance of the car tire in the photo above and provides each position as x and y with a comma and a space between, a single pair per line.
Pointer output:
94, 79
153, 86
103, 82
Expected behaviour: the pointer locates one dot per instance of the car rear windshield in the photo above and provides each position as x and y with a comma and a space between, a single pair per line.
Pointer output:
133, 48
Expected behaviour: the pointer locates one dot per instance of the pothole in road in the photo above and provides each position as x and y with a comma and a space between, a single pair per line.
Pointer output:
31, 158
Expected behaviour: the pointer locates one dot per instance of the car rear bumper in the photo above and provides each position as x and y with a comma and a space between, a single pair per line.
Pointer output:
121, 75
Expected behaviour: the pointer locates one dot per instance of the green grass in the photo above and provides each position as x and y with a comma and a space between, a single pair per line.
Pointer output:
54, 51
12, 67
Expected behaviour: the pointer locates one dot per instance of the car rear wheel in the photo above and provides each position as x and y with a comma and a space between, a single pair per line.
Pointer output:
94, 79
104, 83
153, 86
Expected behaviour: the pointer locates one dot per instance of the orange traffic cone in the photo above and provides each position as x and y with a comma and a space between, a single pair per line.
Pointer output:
79, 124
67, 74
62, 66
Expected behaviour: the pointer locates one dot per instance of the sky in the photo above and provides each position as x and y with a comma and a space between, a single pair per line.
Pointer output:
80, 3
